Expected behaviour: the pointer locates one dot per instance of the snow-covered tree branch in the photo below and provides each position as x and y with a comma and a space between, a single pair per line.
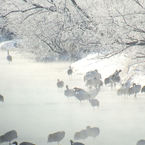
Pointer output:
72, 29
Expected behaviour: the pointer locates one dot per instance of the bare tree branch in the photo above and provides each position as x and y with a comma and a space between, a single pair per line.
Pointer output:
50, 45
34, 13
115, 53
17, 11
35, 6
137, 1
80, 9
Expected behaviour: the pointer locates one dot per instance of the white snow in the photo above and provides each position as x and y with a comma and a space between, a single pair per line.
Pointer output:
108, 66
8, 45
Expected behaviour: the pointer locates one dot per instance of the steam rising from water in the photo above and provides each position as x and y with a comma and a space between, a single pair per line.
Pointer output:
35, 107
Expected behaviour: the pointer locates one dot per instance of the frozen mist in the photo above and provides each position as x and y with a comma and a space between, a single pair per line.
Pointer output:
35, 107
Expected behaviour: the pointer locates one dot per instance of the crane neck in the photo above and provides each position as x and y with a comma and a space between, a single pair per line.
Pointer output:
8, 52
71, 142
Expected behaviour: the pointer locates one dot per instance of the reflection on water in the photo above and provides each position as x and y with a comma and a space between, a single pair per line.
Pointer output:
35, 107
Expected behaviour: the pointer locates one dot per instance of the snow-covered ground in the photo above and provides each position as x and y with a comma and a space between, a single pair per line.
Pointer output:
108, 66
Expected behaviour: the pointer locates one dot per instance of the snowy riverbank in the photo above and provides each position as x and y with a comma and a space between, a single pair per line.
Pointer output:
108, 66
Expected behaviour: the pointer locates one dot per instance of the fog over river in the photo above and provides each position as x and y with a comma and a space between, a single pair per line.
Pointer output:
35, 107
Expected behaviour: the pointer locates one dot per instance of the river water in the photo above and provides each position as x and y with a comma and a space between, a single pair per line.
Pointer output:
35, 107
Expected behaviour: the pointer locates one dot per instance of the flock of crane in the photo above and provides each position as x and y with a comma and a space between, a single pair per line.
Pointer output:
81, 94
9, 58
54, 137
93, 81
89, 131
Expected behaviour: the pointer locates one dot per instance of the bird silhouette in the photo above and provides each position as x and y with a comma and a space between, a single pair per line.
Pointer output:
134, 89
81, 134
8, 137
56, 137
1, 98
141, 142
60, 84
69, 92
81, 94
69, 71
76, 143
92, 131
143, 89
22, 143
94, 102
25, 1
9, 57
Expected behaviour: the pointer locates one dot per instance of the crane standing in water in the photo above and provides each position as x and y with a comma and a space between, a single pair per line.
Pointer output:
8, 137
70, 71
60, 83
9, 57
56, 137
1, 98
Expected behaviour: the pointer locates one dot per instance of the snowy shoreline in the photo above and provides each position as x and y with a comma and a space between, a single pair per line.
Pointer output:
108, 66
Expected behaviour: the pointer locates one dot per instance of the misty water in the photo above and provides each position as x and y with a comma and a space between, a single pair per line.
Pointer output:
35, 107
